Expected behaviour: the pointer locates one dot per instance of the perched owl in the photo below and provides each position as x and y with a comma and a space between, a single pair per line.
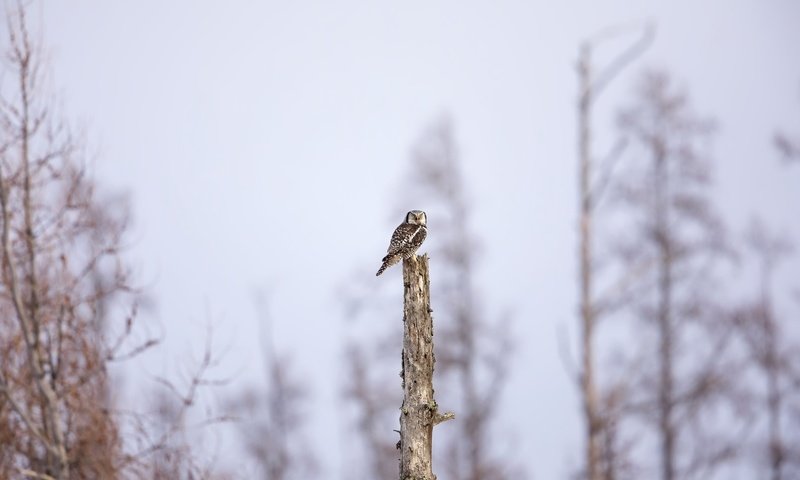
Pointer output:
406, 239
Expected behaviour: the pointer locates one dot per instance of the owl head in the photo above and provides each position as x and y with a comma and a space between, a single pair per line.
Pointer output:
416, 217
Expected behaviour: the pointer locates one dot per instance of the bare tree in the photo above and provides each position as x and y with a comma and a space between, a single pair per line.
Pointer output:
270, 422
774, 355
60, 267
615, 460
270, 425
673, 240
67, 306
372, 399
591, 187
370, 394
162, 442
172, 458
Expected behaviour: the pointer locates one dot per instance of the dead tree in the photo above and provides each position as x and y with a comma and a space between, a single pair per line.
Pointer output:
673, 241
590, 188
369, 392
770, 349
271, 420
270, 425
161, 442
419, 412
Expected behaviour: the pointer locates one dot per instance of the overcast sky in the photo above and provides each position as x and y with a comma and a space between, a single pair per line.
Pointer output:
263, 146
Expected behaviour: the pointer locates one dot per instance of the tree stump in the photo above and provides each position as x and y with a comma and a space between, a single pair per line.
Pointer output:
419, 412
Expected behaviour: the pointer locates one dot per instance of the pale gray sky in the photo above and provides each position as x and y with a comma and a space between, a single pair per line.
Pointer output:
262, 144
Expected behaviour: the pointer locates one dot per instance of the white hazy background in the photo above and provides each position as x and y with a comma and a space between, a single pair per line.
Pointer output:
263, 145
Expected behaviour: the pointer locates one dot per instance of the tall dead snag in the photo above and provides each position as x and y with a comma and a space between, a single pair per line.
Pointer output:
588, 393
419, 412
591, 86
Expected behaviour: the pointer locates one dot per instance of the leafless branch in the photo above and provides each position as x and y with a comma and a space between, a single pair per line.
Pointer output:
607, 75
28, 473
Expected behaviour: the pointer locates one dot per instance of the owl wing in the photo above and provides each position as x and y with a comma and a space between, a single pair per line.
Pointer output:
418, 238
401, 237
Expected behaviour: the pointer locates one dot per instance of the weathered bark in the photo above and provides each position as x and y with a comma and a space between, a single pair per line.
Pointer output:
419, 412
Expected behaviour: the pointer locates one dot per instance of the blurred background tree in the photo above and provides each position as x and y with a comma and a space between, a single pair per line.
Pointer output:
270, 420
770, 367
674, 241
68, 304
61, 269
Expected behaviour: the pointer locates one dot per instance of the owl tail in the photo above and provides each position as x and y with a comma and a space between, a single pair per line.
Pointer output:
383, 267
388, 262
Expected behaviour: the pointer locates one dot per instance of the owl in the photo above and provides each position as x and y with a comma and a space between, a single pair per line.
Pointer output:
406, 239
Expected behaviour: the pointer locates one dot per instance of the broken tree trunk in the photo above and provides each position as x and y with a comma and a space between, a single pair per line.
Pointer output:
419, 413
